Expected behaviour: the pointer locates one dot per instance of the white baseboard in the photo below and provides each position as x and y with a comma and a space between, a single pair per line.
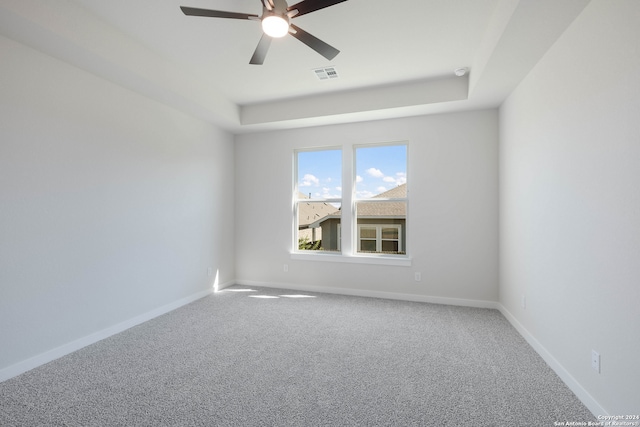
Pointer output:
226, 285
553, 363
63, 350
374, 294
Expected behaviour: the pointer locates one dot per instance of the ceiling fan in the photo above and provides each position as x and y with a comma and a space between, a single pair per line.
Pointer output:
276, 22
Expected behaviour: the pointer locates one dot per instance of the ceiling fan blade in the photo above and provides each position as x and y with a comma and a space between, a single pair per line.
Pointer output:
193, 11
261, 50
308, 6
314, 43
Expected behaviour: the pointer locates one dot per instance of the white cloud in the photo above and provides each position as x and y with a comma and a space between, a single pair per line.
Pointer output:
309, 180
327, 194
399, 179
339, 188
376, 173
381, 189
358, 178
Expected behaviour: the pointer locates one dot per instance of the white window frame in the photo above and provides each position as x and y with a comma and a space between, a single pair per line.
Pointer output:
348, 234
297, 201
356, 201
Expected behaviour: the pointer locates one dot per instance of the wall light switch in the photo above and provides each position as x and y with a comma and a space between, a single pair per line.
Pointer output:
418, 277
286, 268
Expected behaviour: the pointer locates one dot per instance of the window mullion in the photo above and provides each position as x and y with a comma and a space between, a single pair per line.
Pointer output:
349, 236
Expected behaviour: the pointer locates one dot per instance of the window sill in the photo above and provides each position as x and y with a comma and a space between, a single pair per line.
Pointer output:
353, 259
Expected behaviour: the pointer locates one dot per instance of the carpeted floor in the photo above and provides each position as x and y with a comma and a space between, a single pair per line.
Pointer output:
233, 359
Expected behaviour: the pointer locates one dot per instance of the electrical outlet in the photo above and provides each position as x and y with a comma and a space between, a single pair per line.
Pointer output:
595, 361
286, 268
418, 277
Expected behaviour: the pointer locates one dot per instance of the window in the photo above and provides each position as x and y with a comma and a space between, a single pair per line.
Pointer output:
378, 238
318, 200
381, 199
372, 218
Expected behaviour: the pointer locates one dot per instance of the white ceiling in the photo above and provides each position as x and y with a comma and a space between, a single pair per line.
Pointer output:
397, 57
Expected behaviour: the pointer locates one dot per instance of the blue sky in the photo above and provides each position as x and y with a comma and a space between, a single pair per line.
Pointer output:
378, 169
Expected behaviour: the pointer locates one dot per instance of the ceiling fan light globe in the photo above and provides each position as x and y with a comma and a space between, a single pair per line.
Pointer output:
275, 26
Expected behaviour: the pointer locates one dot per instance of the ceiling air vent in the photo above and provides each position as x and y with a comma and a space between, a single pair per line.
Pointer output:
326, 73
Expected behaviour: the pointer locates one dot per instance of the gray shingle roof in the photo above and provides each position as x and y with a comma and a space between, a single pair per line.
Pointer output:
375, 209
385, 209
310, 212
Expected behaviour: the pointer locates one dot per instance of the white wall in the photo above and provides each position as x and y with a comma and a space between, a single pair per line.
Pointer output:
453, 185
111, 205
570, 203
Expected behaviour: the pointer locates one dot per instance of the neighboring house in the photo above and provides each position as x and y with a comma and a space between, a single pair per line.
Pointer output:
309, 213
381, 225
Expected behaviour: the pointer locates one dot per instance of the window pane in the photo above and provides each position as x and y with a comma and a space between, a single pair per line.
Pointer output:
318, 224
368, 233
390, 246
389, 233
319, 174
381, 171
367, 246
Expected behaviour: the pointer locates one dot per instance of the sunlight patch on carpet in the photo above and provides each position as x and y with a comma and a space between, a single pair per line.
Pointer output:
298, 296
